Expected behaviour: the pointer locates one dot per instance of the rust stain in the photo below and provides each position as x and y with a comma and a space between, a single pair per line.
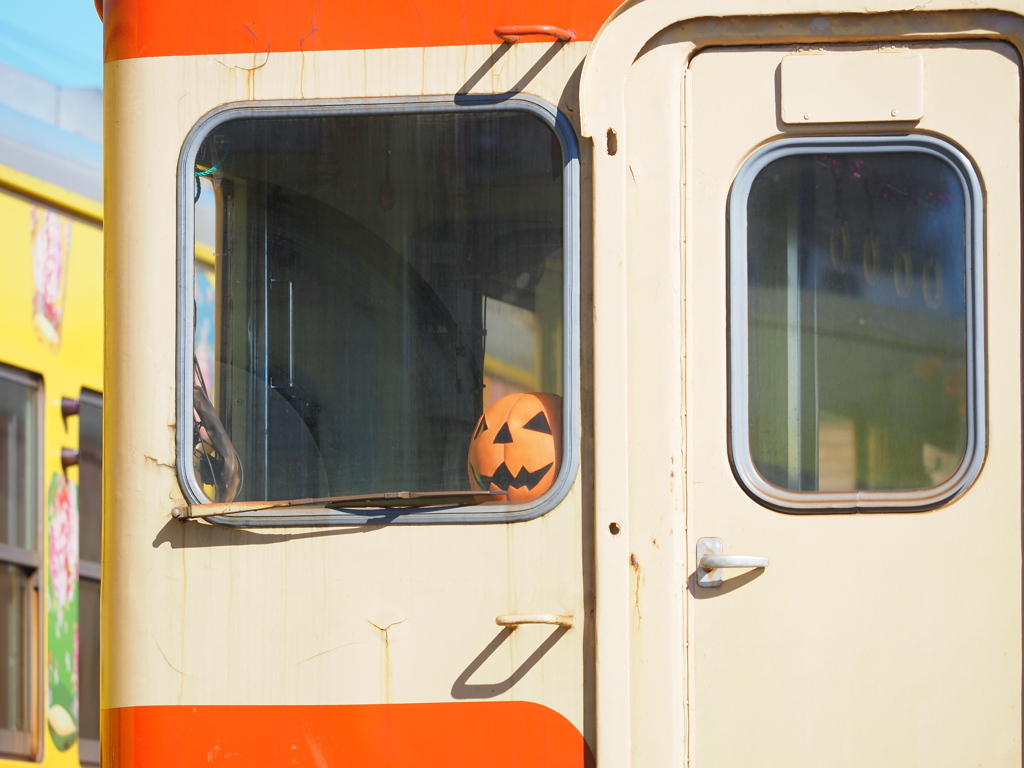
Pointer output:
635, 565
386, 670
156, 461
654, 543
250, 72
313, 29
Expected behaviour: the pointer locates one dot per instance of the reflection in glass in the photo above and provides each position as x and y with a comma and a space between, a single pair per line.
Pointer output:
90, 475
18, 476
19, 519
15, 648
857, 321
89, 653
375, 281
90, 506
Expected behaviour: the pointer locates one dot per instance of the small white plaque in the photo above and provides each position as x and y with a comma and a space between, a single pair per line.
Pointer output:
852, 87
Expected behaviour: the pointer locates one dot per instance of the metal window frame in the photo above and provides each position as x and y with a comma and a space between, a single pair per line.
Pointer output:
88, 749
318, 517
88, 570
784, 500
28, 744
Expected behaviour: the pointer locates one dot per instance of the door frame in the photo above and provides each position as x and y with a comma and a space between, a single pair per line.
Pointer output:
623, 680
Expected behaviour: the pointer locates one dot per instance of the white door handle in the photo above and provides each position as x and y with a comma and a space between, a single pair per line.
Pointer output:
710, 559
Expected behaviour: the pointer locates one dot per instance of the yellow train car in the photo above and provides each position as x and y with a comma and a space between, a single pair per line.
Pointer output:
51, 379
568, 383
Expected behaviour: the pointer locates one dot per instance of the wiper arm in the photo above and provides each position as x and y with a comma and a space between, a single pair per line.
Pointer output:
393, 500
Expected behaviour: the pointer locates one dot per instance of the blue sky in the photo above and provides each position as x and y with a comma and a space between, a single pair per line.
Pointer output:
60, 41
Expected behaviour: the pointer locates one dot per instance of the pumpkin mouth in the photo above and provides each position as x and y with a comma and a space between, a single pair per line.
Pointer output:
504, 479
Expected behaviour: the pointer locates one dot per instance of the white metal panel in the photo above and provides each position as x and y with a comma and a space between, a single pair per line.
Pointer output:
372, 614
851, 87
862, 642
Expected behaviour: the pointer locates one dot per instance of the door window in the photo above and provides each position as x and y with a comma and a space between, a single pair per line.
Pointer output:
855, 323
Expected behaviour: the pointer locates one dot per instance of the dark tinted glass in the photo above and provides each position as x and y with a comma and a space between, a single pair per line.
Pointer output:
376, 281
19, 460
90, 473
15, 649
89, 658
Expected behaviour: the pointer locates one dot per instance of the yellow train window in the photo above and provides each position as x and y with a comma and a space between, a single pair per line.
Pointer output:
855, 325
20, 560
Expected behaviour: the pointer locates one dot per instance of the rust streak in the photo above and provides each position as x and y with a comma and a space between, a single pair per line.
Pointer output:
385, 629
313, 29
386, 671
250, 72
635, 565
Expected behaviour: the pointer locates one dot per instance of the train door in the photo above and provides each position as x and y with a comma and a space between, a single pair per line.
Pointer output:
852, 405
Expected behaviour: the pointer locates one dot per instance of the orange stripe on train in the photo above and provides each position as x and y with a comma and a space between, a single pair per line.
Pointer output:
444, 735
142, 28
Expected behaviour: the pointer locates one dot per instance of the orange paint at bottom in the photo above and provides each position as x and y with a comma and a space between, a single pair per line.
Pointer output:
442, 735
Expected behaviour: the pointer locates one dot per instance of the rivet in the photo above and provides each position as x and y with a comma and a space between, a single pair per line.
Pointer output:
895, 113
807, 115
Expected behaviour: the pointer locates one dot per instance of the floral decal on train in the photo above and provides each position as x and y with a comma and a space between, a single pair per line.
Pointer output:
51, 243
62, 611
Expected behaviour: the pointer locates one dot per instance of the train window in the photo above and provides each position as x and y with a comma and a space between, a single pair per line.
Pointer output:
20, 559
90, 506
855, 333
370, 282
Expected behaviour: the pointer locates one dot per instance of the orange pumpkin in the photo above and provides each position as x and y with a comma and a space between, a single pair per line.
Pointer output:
517, 446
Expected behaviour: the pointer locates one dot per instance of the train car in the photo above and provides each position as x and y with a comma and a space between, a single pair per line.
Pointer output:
562, 384
51, 378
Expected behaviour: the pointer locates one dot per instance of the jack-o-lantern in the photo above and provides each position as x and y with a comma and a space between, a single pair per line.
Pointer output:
517, 446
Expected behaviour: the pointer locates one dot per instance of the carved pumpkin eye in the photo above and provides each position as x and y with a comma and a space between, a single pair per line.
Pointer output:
538, 423
504, 435
523, 457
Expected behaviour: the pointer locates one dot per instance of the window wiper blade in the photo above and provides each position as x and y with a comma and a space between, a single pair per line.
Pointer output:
391, 500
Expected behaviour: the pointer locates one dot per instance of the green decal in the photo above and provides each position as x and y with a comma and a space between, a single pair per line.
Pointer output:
62, 611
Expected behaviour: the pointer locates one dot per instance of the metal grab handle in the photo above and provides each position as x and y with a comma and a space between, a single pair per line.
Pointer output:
514, 619
710, 562
512, 35
710, 559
